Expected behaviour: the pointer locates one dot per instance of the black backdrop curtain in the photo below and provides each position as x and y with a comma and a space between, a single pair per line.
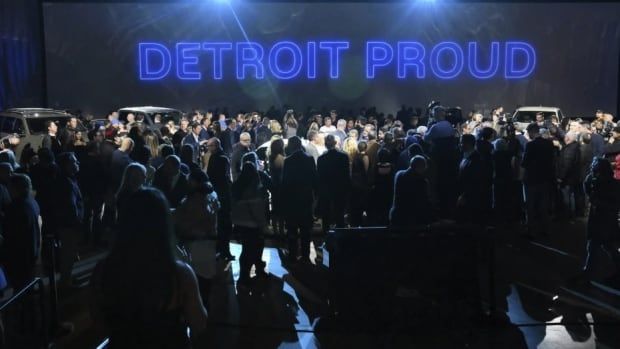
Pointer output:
21, 78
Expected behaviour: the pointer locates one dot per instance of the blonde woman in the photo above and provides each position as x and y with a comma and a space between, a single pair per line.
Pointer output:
275, 127
290, 126
350, 147
152, 142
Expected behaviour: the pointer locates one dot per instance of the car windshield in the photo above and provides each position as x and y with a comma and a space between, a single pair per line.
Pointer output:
39, 125
530, 116
166, 116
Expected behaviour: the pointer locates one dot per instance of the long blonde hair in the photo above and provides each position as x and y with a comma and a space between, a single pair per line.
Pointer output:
350, 147
152, 142
275, 127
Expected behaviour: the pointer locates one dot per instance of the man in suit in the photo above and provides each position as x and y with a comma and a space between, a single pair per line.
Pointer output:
299, 184
538, 178
311, 148
193, 139
22, 236
472, 205
263, 133
334, 184
68, 213
569, 173
50, 140
205, 131
171, 181
227, 137
411, 205
218, 170
372, 151
239, 149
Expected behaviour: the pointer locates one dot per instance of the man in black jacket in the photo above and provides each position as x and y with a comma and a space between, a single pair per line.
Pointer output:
239, 149
334, 184
263, 133
218, 170
68, 212
22, 237
299, 184
50, 140
538, 178
411, 205
569, 173
473, 206
170, 180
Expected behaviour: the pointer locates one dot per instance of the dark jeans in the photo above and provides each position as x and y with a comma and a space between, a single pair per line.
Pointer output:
594, 249
93, 225
536, 196
570, 198
294, 231
205, 290
251, 250
224, 231
333, 214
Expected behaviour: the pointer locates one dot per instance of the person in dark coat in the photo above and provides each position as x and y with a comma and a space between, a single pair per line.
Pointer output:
193, 138
472, 205
22, 237
218, 170
586, 155
263, 132
568, 173
67, 213
92, 182
506, 191
51, 140
334, 179
299, 183
227, 137
239, 149
603, 191
539, 175
170, 180
381, 192
411, 205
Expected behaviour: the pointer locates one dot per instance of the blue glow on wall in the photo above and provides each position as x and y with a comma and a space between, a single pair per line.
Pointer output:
474, 65
514, 49
187, 60
454, 54
410, 55
285, 60
147, 70
334, 48
378, 54
217, 48
250, 55
275, 63
311, 60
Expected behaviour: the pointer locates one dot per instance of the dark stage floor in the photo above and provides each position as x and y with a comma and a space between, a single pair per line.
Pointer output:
537, 307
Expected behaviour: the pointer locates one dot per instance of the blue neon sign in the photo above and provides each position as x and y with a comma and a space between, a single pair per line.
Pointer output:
285, 60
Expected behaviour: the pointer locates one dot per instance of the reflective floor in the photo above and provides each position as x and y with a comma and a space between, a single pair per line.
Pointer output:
536, 307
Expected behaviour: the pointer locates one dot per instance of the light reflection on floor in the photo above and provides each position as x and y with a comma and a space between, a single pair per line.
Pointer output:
271, 257
544, 337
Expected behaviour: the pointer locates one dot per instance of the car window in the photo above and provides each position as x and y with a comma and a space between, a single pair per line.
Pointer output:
9, 124
530, 116
38, 125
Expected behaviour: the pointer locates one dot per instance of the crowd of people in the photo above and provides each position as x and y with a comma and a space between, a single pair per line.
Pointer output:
154, 192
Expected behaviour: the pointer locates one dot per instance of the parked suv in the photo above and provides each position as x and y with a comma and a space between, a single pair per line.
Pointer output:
146, 115
525, 115
28, 125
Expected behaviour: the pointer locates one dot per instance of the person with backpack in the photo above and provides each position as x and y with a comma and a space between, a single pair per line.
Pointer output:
195, 222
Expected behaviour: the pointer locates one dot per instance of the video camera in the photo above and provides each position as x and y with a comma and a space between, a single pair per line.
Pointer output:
454, 115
